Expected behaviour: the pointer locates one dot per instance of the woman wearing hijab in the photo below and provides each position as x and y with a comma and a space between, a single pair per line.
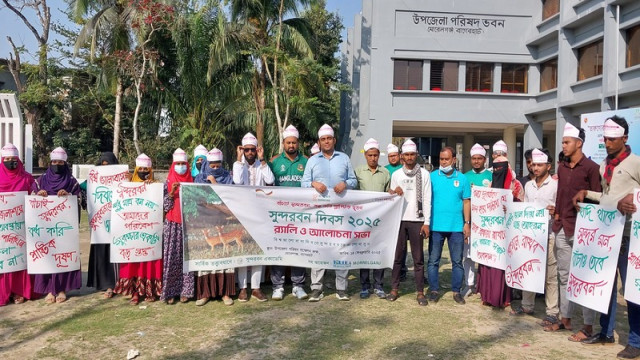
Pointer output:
199, 155
176, 283
491, 282
102, 273
141, 279
57, 180
220, 283
13, 177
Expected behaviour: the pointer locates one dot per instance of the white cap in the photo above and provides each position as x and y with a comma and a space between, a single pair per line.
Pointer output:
143, 161
179, 155
571, 131
249, 139
9, 150
325, 130
315, 149
478, 149
409, 146
612, 129
58, 154
538, 157
500, 146
290, 131
371, 144
200, 150
392, 149
214, 155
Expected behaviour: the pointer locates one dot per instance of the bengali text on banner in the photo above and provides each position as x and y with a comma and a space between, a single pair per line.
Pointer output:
488, 235
99, 183
13, 256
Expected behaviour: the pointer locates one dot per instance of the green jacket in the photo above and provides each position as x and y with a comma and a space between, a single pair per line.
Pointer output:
287, 172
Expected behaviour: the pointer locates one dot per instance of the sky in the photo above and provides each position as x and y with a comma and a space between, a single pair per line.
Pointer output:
12, 25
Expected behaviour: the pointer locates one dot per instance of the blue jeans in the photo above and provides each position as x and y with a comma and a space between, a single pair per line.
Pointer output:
456, 246
608, 321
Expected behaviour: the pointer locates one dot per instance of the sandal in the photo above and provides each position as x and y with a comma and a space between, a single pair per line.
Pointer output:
50, 299
519, 311
149, 299
61, 298
556, 327
184, 299
393, 295
579, 336
171, 301
422, 300
135, 300
549, 320
18, 300
108, 294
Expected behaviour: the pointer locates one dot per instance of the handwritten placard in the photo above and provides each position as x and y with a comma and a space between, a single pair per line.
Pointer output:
596, 246
13, 256
632, 285
53, 243
99, 183
488, 234
136, 219
527, 229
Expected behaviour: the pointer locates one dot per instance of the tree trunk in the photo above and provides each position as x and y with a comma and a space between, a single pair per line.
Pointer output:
33, 115
135, 119
117, 117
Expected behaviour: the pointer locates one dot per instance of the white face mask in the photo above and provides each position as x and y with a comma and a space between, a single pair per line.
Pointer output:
446, 169
180, 169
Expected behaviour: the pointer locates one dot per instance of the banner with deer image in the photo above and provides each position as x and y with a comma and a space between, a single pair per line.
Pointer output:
136, 222
227, 226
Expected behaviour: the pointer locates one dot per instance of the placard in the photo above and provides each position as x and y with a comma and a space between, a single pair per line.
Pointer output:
13, 249
488, 234
632, 285
99, 183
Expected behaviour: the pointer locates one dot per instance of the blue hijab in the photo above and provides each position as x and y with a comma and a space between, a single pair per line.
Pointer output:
194, 169
221, 175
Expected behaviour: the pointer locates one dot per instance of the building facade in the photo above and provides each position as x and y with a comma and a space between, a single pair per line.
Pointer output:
467, 71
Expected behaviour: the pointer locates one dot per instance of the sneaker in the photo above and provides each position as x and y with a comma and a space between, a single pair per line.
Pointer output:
433, 296
342, 295
259, 295
202, 301
316, 295
629, 352
298, 292
380, 293
278, 294
364, 294
243, 296
458, 298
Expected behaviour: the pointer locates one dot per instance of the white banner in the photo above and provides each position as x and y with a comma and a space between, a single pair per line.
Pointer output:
228, 226
13, 250
488, 235
527, 229
593, 124
136, 222
53, 242
99, 183
596, 247
632, 285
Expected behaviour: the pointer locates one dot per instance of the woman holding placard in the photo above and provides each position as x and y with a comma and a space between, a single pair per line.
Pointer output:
13, 178
57, 180
141, 279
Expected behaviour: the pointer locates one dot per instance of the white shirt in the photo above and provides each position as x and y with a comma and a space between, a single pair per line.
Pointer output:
408, 186
544, 195
258, 174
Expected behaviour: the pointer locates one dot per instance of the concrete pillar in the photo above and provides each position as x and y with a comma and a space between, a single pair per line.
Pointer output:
466, 148
532, 136
509, 137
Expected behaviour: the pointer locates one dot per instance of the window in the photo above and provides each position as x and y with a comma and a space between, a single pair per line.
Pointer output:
549, 75
444, 75
514, 78
550, 8
590, 60
479, 77
407, 74
633, 46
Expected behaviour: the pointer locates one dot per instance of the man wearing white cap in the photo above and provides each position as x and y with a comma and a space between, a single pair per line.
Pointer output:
329, 169
542, 191
288, 168
620, 176
477, 176
575, 174
251, 169
412, 182
372, 177
393, 156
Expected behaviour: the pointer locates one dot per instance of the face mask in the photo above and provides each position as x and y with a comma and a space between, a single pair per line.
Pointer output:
11, 165
180, 169
58, 169
199, 166
143, 175
446, 169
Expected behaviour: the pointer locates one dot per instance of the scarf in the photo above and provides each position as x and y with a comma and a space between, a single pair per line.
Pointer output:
221, 175
52, 182
17, 179
109, 157
175, 214
418, 174
501, 177
611, 163
194, 169
136, 178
